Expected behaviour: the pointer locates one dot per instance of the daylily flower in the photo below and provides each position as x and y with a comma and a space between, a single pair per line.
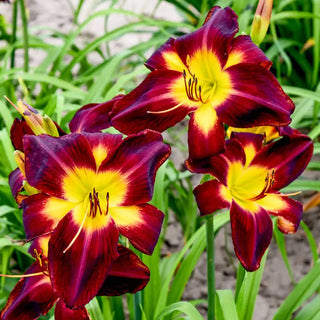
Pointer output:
248, 179
34, 295
214, 77
92, 187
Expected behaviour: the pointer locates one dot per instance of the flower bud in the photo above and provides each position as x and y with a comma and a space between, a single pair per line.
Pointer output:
261, 21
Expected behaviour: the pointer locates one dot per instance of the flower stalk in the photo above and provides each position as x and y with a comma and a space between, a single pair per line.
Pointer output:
210, 266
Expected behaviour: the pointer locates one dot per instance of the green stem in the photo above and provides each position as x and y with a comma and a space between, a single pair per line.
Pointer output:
14, 32
25, 35
210, 267
137, 303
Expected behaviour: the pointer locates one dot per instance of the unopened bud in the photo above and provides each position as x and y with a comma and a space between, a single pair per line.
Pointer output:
261, 21
19, 157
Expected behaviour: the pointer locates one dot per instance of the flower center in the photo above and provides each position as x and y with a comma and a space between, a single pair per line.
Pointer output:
94, 204
195, 91
249, 184
92, 208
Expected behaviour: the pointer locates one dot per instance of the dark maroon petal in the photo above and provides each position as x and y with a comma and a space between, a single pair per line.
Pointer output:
103, 145
251, 235
243, 50
137, 159
78, 265
93, 117
16, 184
205, 142
128, 274
157, 61
42, 213
211, 196
250, 142
140, 224
62, 312
18, 130
288, 211
152, 105
288, 156
50, 159
256, 98
215, 35
248, 139
30, 298
218, 165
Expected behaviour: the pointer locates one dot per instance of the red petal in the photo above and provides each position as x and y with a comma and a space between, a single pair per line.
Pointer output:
243, 50
211, 196
140, 224
206, 133
251, 144
288, 211
42, 213
288, 156
103, 145
16, 184
215, 35
18, 130
30, 298
79, 267
128, 274
152, 105
93, 117
62, 312
165, 58
137, 159
251, 235
49, 160
256, 98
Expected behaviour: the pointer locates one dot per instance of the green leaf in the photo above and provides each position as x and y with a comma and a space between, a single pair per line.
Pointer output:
248, 291
312, 241
94, 309
302, 292
282, 247
200, 235
184, 307
225, 305
311, 311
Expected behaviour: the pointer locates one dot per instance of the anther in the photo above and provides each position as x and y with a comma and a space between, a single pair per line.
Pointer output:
107, 198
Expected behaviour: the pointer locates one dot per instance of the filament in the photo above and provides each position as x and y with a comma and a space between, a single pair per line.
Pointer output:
76, 236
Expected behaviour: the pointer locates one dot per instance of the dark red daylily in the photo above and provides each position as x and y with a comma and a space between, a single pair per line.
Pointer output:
248, 179
214, 77
92, 186
34, 295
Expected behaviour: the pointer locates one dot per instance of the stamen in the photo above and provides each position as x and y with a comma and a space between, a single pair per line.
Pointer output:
269, 181
38, 257
164, 111
12, 103
29, 275
107, 198
77, 234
